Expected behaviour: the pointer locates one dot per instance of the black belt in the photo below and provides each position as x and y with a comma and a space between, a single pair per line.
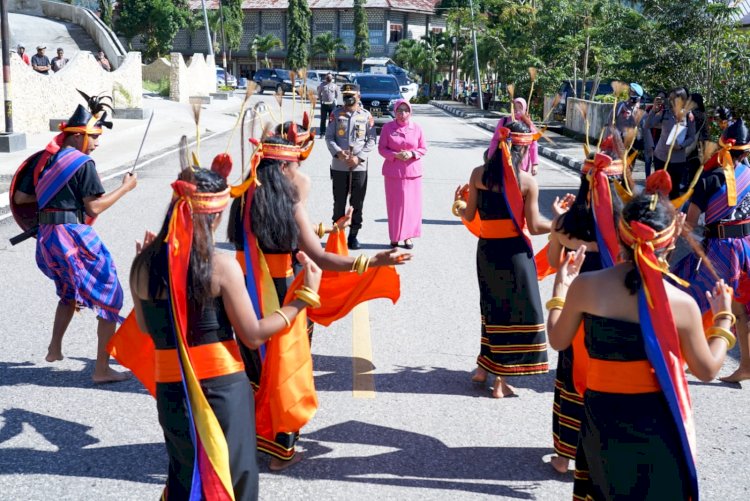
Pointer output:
720, 230
60, 217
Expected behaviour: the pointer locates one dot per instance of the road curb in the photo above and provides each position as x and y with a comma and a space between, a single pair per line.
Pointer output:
545, 151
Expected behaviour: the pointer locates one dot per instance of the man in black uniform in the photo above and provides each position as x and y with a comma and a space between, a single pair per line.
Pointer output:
350, 138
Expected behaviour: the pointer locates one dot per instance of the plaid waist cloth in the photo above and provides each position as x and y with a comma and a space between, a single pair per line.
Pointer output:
74, 257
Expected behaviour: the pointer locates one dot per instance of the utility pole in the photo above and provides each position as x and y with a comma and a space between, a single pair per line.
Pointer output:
8, 105
476, 58
208, 30
9, 140
223, 44
454, 72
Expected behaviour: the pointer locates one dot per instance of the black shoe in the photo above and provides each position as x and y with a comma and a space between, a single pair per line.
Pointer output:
352, 243
394, 244
408, 244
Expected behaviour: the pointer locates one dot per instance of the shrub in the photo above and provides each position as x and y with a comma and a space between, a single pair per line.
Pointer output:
161, 87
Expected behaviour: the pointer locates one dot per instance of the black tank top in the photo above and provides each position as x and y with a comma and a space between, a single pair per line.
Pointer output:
206, 327
613, 340
492, 205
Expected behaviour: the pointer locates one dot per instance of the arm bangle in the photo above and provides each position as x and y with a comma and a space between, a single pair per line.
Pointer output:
727, 314
458, 205
556, 303
283, 315
308, 296
361, 264
723, 333
320, 230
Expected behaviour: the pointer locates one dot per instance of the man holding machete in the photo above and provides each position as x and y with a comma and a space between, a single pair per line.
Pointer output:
58, 191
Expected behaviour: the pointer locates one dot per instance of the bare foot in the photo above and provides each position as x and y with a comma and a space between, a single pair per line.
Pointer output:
479, 376
501, 389
110, 377
560, 464
737, 376
54, 355
277, 464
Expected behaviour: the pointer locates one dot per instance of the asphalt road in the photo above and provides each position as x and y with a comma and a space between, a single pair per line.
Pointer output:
428, 433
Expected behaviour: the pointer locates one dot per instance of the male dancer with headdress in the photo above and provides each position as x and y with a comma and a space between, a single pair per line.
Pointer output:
61, 187
723, 195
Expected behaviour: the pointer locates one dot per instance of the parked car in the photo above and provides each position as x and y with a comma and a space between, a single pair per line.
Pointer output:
275, 79
242, 83
385, 66
231, 81
378, 92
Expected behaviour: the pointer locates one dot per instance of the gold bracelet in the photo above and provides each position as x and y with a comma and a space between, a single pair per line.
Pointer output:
283, 315
723, 333
320, 230
556, 303
727, 314
361, 264
307, 296
458, 205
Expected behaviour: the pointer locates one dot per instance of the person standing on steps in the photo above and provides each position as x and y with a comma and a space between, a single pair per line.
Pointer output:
350, 139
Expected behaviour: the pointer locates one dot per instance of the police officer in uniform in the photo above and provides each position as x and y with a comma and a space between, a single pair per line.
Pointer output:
350, 137
328, 95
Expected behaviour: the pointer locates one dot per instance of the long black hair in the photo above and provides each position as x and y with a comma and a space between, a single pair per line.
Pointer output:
154, 256
639, 209
272, 211
578, 222
492, 177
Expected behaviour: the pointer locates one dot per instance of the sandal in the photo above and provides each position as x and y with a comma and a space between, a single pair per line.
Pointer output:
394, 244
408, 244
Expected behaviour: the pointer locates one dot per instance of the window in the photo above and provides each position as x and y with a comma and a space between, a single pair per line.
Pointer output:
347, 34
377, 37
396, 33
323, 27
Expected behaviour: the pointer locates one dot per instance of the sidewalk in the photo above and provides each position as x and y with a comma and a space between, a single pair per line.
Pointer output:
561, 149
118, 147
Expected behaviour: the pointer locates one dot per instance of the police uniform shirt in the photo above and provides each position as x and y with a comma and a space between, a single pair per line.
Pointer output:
355, 130
328, 93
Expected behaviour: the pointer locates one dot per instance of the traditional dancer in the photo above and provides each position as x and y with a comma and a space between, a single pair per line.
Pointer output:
723, 195
403, 145
192, 301
270, 219
61, 183
530, 162
637, 437
505, 200
597, 202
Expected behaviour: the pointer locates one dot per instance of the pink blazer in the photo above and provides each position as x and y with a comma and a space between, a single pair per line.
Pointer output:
395, 138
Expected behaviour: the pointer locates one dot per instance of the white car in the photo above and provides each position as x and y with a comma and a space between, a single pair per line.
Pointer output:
409, 91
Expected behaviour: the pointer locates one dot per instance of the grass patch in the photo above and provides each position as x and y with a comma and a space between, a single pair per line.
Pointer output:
161, 87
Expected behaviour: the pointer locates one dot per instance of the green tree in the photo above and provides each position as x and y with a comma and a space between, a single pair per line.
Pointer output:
156, 21
327, 45
361, 31
264, 44
105, 12
298, 34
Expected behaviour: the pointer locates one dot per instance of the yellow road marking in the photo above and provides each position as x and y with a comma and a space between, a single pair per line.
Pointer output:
363, 381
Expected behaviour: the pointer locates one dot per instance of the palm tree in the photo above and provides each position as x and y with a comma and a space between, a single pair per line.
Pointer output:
265, 44
327, 45
405, 53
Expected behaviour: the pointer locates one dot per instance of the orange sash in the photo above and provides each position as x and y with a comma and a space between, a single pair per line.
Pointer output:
209, 360
622, 377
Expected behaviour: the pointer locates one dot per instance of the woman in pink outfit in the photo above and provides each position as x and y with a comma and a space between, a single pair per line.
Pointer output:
531, 161
402, 145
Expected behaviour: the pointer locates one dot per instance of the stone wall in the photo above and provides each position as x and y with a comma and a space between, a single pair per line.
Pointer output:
198, 78
597, 114
38, 98
158, 70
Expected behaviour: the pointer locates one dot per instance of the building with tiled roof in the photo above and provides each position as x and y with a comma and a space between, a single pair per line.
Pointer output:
388, 21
